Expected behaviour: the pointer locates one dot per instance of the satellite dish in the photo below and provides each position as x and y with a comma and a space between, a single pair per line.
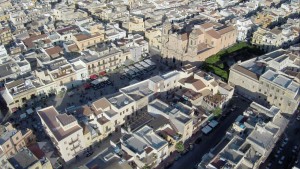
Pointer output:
28, 83
113, 100
126, 101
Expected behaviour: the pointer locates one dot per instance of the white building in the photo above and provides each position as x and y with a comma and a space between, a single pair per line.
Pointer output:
65, 132
244, 28
144, 147
3, 55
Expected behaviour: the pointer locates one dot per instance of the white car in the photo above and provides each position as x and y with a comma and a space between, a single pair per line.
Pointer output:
281, 160
295, 148
269, 166
277, 153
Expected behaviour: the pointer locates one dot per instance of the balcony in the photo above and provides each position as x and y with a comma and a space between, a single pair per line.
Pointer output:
74, 141
75, 147
113, 60
21, 90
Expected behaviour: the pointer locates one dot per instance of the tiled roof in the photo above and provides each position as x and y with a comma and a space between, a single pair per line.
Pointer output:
49, 116
102, 103
245, 71
213, 34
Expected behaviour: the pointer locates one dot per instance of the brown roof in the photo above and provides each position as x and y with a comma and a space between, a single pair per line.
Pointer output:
36, 150
82, 37
49, 116
226, 30
170, 131
14, 83
101, 104
184, 36
4, 30
102, 120
148, 150
97, 112
63, 30
53, 50
65, 119
198, 85
276, 31
29, 41
213, 34
207, 25
199, 32
245, 71
202, 46
214, 83
73, 48
84, 110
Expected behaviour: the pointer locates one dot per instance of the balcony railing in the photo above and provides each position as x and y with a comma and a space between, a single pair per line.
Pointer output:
74, 141
75, 147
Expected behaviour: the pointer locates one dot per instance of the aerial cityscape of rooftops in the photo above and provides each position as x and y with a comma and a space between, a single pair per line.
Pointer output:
149, 84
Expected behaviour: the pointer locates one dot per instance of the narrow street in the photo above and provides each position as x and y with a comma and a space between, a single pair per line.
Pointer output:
192, 158
292, 133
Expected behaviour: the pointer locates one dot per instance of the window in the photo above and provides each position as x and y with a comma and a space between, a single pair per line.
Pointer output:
7, 146
17, 138
279, 104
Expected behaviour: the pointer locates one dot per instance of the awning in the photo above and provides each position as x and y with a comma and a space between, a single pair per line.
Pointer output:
87, 85
71, 93
103, 73
14, 109
22, 116
29, 111
93, 77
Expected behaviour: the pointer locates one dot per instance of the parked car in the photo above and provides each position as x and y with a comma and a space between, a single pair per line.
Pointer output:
198, 140
277, 153
269, 166
295, 149
281, 160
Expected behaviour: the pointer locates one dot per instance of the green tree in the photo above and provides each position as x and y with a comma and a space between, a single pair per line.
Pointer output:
217, 111
146, 167
179, 146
